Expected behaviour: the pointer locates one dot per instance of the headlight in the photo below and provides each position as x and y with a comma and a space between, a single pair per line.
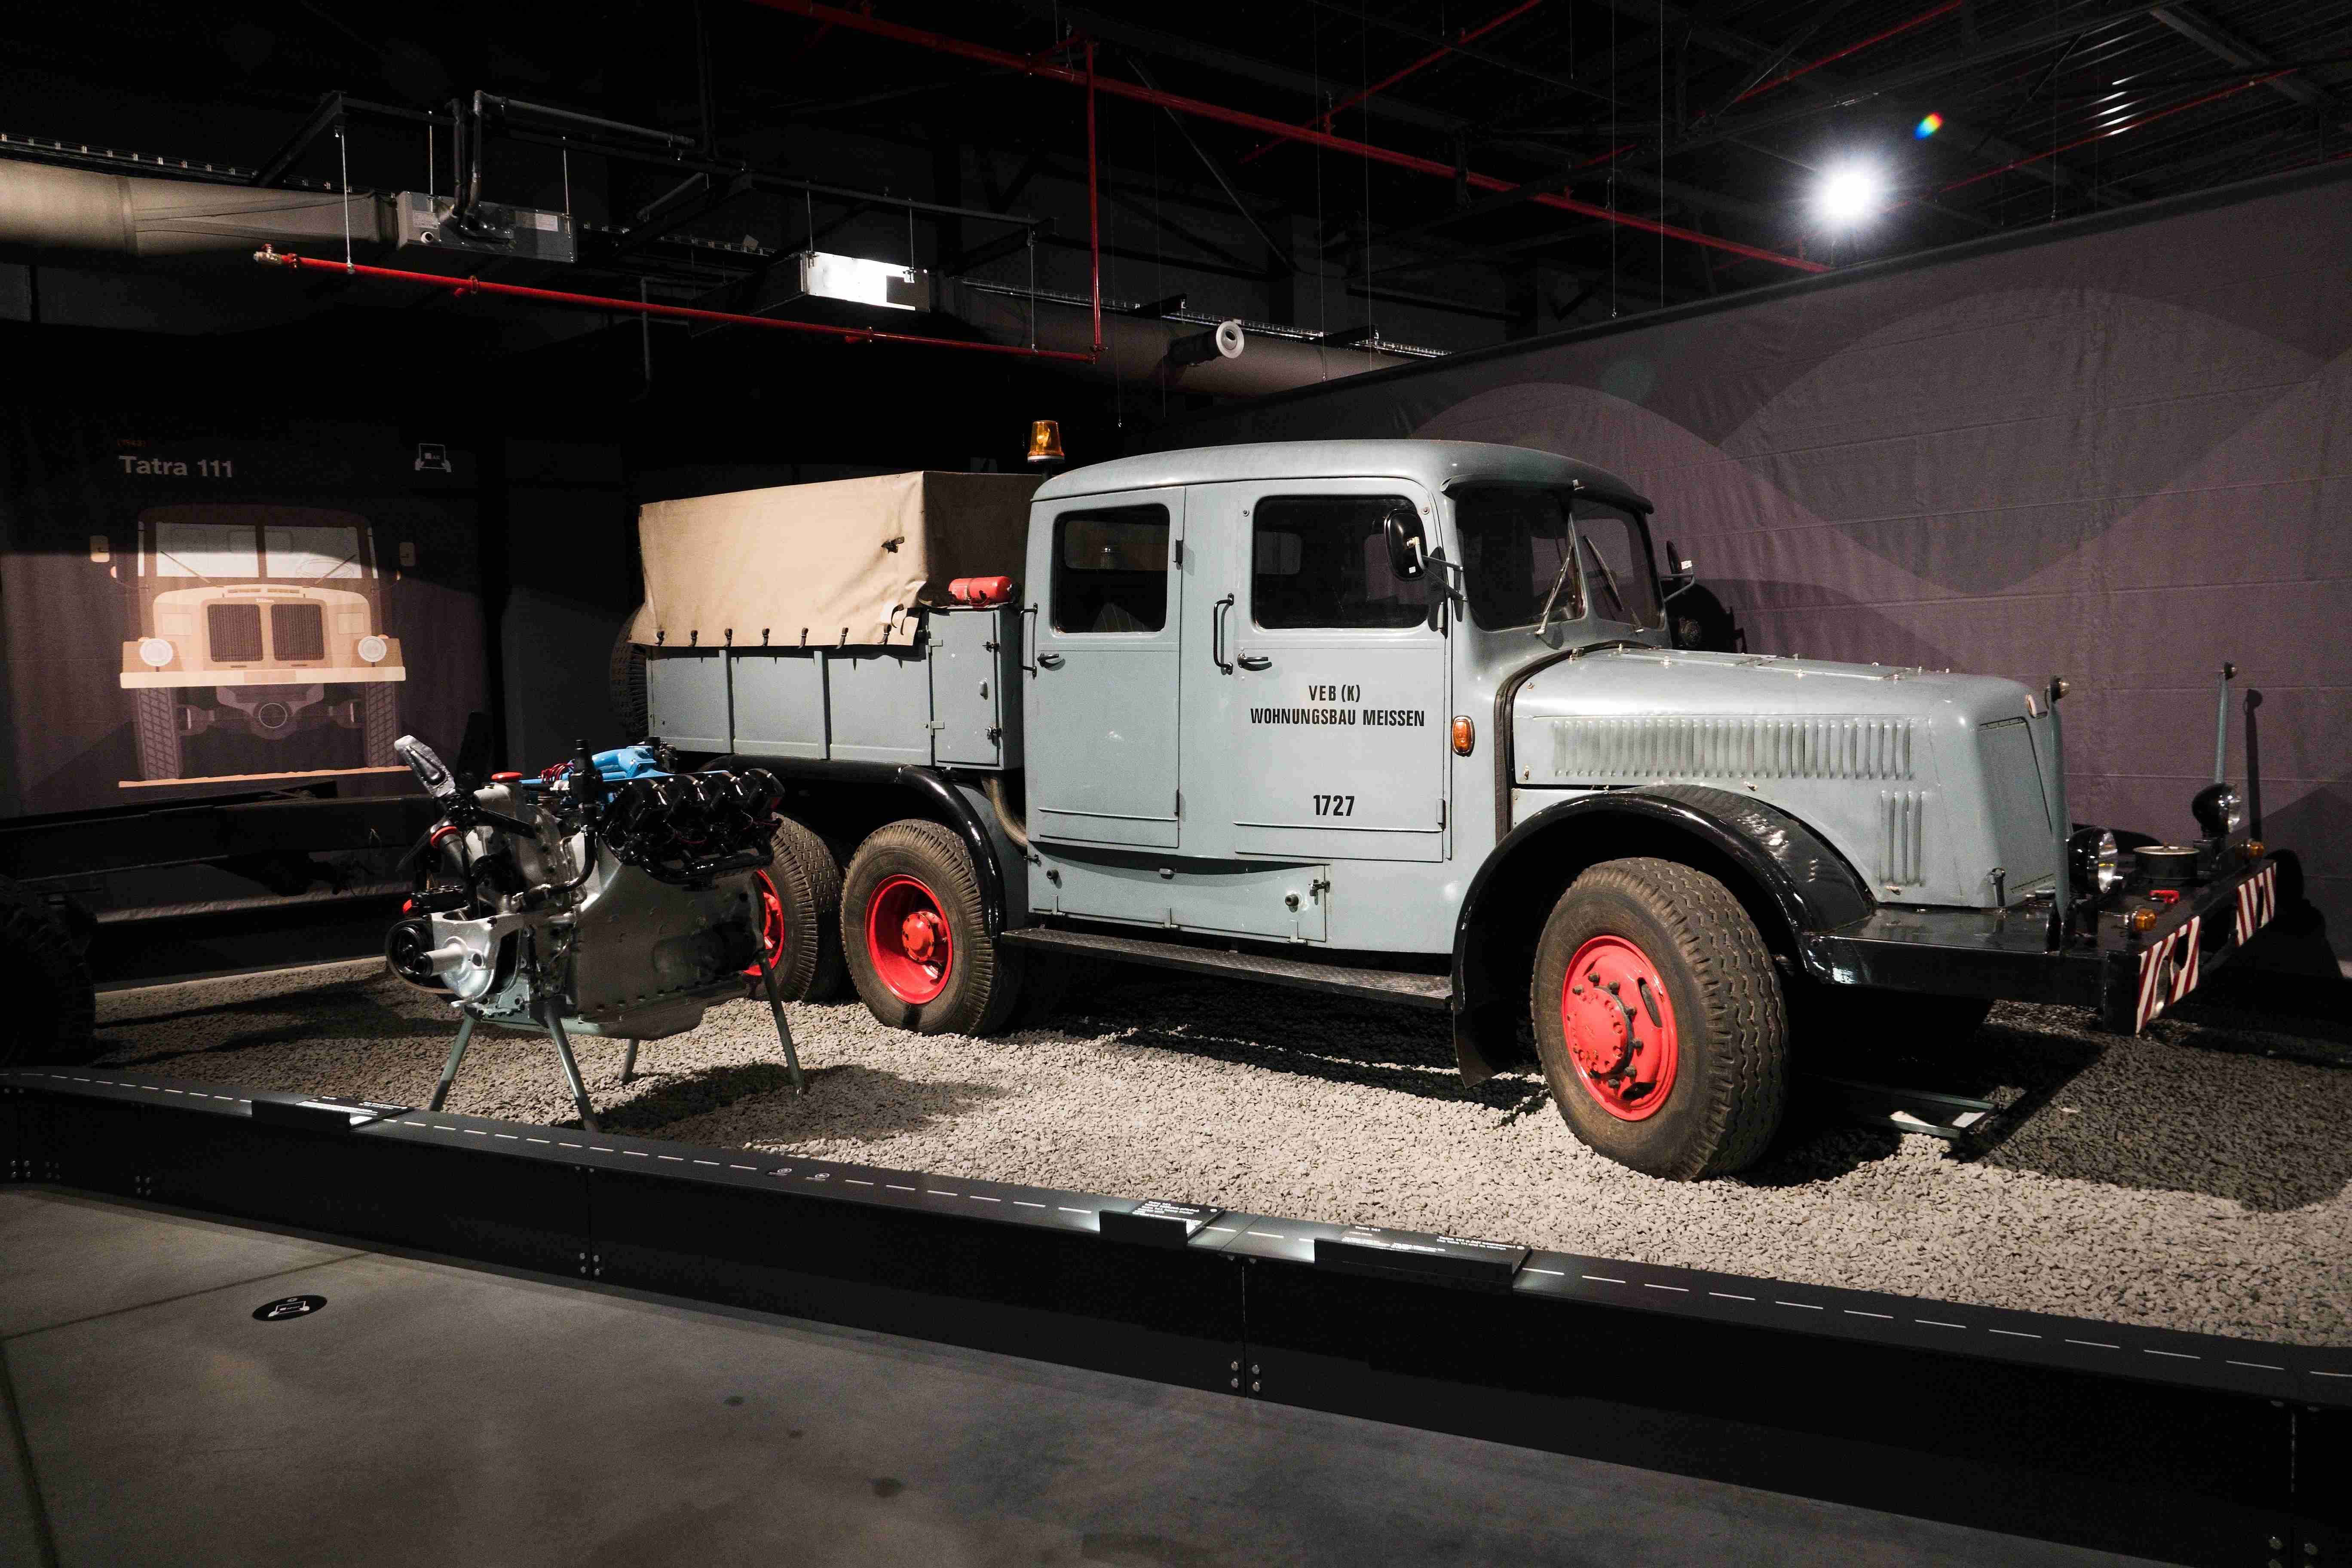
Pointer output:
156, 652
2095, 863
374, 649
2220, 810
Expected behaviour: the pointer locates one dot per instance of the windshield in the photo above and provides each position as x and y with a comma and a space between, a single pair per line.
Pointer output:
1524, 545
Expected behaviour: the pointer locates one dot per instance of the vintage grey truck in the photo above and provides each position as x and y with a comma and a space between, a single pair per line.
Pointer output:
1394, 720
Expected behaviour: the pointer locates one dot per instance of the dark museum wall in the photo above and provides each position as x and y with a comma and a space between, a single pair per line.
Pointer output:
2122, 453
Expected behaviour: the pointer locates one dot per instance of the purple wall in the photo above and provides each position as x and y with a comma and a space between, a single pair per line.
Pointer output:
2122, 453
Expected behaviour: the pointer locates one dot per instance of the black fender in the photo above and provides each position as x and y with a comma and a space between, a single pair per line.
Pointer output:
1807, 883
970, 818
971, 825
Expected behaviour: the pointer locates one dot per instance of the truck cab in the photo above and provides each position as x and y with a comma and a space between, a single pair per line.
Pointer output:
1402, 720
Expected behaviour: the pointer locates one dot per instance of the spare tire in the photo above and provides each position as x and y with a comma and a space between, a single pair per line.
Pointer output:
626, 674
51, 1001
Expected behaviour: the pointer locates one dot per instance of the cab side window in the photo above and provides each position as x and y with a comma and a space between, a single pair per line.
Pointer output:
1323, 561
1111, 570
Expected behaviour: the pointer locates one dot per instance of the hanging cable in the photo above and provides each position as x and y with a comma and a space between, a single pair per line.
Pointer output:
343, 157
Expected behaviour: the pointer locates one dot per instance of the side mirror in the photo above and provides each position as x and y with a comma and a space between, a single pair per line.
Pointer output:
1408, 555
1679, 573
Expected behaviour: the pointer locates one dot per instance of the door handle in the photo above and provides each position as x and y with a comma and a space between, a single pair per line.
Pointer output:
1217, 634
1050, 660
1028, 635
1254, 661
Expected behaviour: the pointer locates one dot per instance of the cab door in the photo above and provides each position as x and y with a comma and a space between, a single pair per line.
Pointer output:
1104, 623
1318, 719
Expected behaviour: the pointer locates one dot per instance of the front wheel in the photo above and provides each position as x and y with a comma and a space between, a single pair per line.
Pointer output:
1659, 1020
916, 939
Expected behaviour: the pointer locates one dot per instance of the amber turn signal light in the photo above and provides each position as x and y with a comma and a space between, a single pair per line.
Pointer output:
2253, 848
1465, 736
2140, 919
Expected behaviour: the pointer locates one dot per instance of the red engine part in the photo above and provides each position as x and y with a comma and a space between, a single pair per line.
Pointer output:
981, 592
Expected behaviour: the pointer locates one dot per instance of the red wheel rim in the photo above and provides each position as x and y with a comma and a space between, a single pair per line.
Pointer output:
1619, 1026
772, 924
907, 938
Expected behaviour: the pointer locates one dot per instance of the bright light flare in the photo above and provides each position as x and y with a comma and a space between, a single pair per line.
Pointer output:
1850, 194
1927, 127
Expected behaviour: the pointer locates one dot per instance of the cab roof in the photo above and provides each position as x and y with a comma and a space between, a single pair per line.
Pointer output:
1434, 464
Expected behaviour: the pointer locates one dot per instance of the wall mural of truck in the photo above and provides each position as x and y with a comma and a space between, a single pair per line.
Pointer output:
265, 620
1400, 721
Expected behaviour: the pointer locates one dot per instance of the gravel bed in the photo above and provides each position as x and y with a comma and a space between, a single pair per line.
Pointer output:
2194, 1179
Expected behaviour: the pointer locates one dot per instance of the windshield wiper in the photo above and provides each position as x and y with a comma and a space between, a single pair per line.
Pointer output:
1567, 564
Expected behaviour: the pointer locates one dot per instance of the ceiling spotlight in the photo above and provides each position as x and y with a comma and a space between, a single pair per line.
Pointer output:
1927, 127
1848, 194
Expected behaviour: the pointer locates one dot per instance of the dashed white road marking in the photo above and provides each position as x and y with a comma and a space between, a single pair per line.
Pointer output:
1603, 1279
2096, 1344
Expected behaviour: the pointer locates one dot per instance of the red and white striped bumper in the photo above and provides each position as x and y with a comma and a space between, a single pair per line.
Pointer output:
2170, 965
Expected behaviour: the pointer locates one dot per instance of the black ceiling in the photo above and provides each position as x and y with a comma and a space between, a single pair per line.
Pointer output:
1713, 120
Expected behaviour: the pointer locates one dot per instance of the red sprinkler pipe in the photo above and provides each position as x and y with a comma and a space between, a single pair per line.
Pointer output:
1323, 120
1094, 201
816, 11
463, 286
1921, 19
2118, 130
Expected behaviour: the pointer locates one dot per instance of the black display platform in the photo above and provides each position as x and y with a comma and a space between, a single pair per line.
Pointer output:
2179, 1447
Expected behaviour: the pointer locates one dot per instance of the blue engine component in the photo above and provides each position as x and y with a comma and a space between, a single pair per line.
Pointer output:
638, 762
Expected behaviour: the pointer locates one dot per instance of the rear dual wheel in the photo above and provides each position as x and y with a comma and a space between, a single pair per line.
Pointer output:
915, 935
799, 915
1659, 1020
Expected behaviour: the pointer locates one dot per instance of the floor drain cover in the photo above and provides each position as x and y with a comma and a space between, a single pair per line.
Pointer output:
288, 1307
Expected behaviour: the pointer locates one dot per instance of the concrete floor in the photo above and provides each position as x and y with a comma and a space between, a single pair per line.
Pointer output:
435, 1412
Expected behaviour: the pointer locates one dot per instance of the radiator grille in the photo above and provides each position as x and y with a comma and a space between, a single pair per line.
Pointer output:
1902, 837
1640, 749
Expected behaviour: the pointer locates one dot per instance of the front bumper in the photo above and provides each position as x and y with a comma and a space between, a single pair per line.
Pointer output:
2131, 976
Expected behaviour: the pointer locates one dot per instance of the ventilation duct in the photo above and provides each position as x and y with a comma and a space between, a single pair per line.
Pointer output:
47, 208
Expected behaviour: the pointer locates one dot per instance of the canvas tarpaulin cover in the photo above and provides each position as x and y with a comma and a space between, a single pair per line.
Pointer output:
845, 561
2121, 453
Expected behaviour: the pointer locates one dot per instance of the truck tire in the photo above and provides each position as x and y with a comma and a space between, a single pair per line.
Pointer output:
626, 675
800, 896
52, 1005
914, 939
379, 724
1659, 1020
157, 713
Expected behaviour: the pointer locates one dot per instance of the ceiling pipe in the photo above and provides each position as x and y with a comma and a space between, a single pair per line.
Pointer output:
45, 208
463, 285
940, 43
1224, 361
1324, 120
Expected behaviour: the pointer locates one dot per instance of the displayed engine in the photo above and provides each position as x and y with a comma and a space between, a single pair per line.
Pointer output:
609, 894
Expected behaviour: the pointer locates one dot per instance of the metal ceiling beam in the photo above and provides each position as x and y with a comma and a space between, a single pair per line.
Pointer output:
1038, 66
2218, 41
1274, 248
1168, 45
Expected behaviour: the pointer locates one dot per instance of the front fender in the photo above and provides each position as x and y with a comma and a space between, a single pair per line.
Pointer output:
1796, 873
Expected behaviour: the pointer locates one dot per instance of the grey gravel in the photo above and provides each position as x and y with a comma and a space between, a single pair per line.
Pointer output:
2194, 1179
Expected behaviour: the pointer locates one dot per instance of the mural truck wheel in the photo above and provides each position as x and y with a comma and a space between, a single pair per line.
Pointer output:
914, 939
1659, 1020
51, 1003
157, 712
380, 723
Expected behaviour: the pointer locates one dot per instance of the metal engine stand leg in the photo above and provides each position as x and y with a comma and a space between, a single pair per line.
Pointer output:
571, 1069
629, 1063
783, 1030
457, 1054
